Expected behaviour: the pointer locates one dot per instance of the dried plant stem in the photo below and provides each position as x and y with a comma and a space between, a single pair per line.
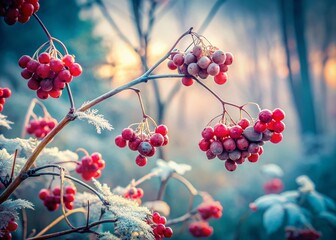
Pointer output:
60, 218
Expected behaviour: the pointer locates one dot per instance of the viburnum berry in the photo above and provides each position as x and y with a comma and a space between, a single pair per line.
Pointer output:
4, 94
200, 229
160, 231
52, 197
302, 234
90, 166
6, 231
274, 185
18, 11
210, 209
278, 114
48, 74
41, 127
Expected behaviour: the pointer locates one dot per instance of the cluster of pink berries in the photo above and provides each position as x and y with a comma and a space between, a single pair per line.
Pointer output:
52, 198
301, 234
134, 193
18, 10
41, 127
5, 233
4, 93
90, 166
274, 185
210, 209
49, 75
143, 143
201, 62
235, 143
160, 231
200, 229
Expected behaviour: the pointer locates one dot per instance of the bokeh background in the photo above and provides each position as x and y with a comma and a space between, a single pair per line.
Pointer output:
285, 56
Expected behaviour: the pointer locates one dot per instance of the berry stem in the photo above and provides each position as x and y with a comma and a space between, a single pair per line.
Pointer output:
83, 151
13, 166
182, 218
162, 188
43, 27
193, 191
82, 229
143, 179
62, 200
57, 220
72, 104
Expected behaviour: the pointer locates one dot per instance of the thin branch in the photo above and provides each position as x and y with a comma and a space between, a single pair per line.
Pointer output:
82, 229
183, 218
43, 27
211, 15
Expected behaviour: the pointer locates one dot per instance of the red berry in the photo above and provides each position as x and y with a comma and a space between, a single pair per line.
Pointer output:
213, 69
44, 57
43, 194
228, 59
260, 126
220, 78
218, 57
56, 191
56, 65
120, 141
276, 138
6, 93
230, 165
229, 144
133, 144
221, 130
12, 226
162, 129
265, 116
41, 94
278, 114
204, 145
156, 217
76, 70
145, 148
253, 157
236, 131
168, 232
178, 59
70, 190
203, 62
68, 60
65, 76
208, 133
23, 61
278, 127
156, 140
141, 160
216, 147
171, 65
27, 9
127, 133
244, 123
186, 81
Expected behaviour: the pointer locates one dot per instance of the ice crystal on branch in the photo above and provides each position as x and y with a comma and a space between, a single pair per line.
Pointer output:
8, 210
95, 119
4, 122
131, 218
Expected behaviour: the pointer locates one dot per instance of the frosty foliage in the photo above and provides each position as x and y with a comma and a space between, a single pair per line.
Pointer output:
6, 163
164, 168
98, 120
295, 208
131, 218
271, 170
54, 155
8, 210
24, 146
107, 236
4, 122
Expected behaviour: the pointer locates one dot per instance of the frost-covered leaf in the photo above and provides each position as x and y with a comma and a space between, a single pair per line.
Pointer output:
271, 171
330, 204
54, 155
164, 168
6, 163
131, 217
107, 236
4, 122
331, 218
295, 215
8, 210
316, 202
266, 201
273, 218
98, 120
306, 185
158, 206
291, 196
24, 146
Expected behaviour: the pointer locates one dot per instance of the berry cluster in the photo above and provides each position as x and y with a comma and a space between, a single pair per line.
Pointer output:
41, 127
210, 209
236, 142
274, 185
52, 198
90, 166
200, 229
302, 234
201, 62
134, 193
4, 93
5, 233
18, 10
143, 143
160, 231
48, 75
